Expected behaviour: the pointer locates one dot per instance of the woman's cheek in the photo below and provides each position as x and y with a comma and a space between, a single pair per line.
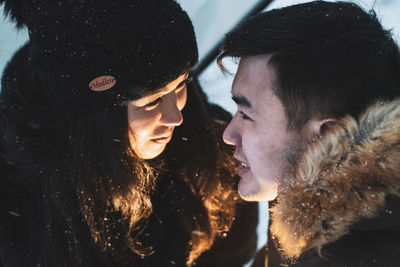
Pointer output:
141, 121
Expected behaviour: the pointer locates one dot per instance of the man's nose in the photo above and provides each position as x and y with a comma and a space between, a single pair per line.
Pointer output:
229, 134
171, 115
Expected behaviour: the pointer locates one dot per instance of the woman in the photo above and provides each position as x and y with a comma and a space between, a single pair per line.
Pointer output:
88, 107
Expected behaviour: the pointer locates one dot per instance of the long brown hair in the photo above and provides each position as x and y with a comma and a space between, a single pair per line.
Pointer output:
82, 169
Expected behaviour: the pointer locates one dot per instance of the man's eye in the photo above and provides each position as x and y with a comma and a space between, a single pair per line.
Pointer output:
154, 103
244, 116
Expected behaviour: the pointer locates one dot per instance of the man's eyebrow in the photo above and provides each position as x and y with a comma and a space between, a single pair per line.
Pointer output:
241, 101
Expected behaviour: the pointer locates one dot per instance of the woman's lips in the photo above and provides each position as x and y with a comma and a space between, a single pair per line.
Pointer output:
162, 140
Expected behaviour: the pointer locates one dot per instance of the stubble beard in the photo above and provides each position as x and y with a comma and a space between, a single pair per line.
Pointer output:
291, 160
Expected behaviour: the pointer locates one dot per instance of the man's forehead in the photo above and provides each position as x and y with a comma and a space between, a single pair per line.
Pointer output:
253, 82
254, 70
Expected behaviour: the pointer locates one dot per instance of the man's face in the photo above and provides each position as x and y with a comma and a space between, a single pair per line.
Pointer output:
264, 145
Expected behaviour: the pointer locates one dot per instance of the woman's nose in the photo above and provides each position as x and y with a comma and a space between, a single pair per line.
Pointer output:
171, 115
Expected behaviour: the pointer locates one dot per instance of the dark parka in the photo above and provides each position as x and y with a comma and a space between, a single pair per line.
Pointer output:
343, 207
164, 230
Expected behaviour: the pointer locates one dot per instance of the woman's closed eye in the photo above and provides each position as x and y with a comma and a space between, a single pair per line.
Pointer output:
185, 82
154, 103
178, 89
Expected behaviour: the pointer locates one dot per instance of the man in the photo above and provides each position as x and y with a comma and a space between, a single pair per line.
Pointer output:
317, 132
94, 170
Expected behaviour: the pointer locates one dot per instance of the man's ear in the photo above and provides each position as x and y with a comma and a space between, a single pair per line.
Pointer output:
316, 127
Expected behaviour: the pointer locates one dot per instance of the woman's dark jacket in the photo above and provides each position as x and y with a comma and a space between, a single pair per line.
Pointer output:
164, 230
343, 207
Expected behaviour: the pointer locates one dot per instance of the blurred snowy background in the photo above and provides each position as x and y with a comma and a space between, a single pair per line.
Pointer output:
212, 19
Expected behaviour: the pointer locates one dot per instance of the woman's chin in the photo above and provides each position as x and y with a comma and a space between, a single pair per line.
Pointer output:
151, 151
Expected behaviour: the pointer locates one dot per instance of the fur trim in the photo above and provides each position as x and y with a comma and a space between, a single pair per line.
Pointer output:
343, 177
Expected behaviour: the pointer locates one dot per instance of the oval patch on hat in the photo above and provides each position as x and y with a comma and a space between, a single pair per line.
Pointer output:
102, 83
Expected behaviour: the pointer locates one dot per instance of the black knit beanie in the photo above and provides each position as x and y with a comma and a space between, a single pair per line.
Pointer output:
92, 55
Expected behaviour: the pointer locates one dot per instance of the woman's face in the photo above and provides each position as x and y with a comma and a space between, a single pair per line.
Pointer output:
152, 118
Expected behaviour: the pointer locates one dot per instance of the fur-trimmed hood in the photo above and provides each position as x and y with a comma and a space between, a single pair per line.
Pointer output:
344, 177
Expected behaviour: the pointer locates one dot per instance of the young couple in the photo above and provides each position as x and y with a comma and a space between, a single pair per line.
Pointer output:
96, 172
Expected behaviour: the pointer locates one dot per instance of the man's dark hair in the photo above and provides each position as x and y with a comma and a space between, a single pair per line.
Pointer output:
331, 58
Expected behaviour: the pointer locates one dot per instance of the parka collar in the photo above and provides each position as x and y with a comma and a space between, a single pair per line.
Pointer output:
343, 178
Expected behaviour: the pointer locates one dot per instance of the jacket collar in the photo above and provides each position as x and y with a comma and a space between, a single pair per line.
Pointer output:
343, 178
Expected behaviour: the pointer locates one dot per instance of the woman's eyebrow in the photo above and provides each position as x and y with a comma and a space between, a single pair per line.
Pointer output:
187, 80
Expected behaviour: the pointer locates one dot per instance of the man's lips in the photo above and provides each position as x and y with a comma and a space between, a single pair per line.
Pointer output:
241, 159
243, 166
